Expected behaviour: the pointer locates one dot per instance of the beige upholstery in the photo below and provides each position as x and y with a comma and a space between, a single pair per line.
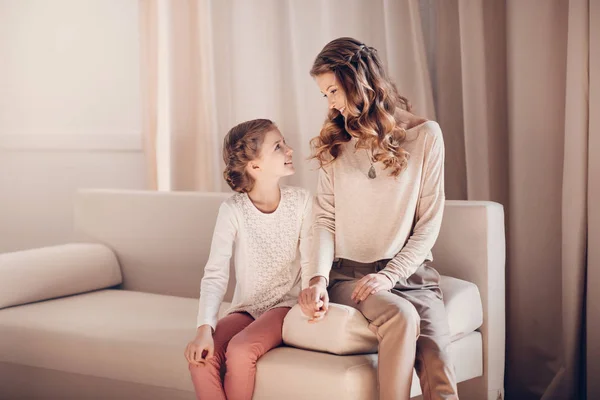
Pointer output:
139, 337
131, 336
135, 339
346, 331
463, 306
156, 235
471, 246
305, 374
27, 276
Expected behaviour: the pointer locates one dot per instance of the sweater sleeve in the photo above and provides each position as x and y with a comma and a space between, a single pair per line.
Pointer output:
216, 272
430, 209
323, 241
306, 239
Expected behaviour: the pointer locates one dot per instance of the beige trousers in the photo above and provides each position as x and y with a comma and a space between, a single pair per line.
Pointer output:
412, 327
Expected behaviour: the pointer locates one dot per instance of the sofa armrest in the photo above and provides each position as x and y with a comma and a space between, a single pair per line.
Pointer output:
471, 246
49, 272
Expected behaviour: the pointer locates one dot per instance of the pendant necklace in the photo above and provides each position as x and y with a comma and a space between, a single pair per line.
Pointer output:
372, 173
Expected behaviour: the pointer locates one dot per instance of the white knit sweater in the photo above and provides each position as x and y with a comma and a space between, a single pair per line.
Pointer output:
269, 249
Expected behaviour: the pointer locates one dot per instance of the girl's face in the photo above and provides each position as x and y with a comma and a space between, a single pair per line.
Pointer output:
334, 93
275, 159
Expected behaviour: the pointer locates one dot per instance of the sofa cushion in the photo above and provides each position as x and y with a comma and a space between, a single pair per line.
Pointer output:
131, 336
50, 272
463, 306
346, 331
140, 337
302, 374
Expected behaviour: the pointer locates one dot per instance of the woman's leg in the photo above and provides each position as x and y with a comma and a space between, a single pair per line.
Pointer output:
396, 323
246, 348
208, 379
433, 363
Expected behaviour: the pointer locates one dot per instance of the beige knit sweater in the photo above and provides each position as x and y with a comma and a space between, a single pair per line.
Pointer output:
365, 220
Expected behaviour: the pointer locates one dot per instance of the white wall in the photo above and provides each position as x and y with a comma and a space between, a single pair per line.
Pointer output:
69, 111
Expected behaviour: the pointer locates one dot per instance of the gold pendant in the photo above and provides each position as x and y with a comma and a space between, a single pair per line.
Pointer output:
372, 173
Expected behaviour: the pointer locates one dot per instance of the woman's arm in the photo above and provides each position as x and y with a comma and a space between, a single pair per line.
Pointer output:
216, 272
323, 235
305, 239
430, 209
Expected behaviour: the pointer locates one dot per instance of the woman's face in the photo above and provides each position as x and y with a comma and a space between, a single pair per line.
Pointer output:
334, 93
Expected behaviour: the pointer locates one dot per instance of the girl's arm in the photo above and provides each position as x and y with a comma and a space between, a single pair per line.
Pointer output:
430, 209
216, 272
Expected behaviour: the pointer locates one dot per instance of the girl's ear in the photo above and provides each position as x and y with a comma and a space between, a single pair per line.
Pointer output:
253, 165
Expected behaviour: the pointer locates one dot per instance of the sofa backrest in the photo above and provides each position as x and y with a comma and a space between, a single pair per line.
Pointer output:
162, 239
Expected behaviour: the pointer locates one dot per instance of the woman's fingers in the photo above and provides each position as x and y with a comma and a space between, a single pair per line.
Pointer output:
364, 285
357, 288
371, 288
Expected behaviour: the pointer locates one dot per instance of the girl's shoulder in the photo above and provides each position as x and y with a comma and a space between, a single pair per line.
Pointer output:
294, 192
234, 203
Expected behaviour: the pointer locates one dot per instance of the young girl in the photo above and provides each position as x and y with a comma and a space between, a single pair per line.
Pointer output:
378, 210
269, 225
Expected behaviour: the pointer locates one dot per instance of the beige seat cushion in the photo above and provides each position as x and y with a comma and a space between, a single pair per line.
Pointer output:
130, 336
302, 374
140, 337
346, 331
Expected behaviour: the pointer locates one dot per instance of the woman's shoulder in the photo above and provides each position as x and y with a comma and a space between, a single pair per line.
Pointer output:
416, 124
425, 128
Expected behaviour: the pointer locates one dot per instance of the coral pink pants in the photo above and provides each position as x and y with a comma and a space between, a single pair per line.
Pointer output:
239, 342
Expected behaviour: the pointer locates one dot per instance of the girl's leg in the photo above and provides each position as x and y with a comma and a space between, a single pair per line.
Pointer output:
247, 347
207, 379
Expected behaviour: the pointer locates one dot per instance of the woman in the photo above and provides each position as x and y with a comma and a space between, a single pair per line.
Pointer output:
378, 210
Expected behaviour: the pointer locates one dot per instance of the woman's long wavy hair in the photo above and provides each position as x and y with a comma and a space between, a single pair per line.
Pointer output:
372, 106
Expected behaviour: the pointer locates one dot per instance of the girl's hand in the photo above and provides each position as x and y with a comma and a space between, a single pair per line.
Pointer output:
370, 284
202, 348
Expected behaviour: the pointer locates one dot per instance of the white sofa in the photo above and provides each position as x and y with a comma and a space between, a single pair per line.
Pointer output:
108, 317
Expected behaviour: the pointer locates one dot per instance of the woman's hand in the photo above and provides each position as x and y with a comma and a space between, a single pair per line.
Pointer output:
202, 348
370, 284
314, 300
